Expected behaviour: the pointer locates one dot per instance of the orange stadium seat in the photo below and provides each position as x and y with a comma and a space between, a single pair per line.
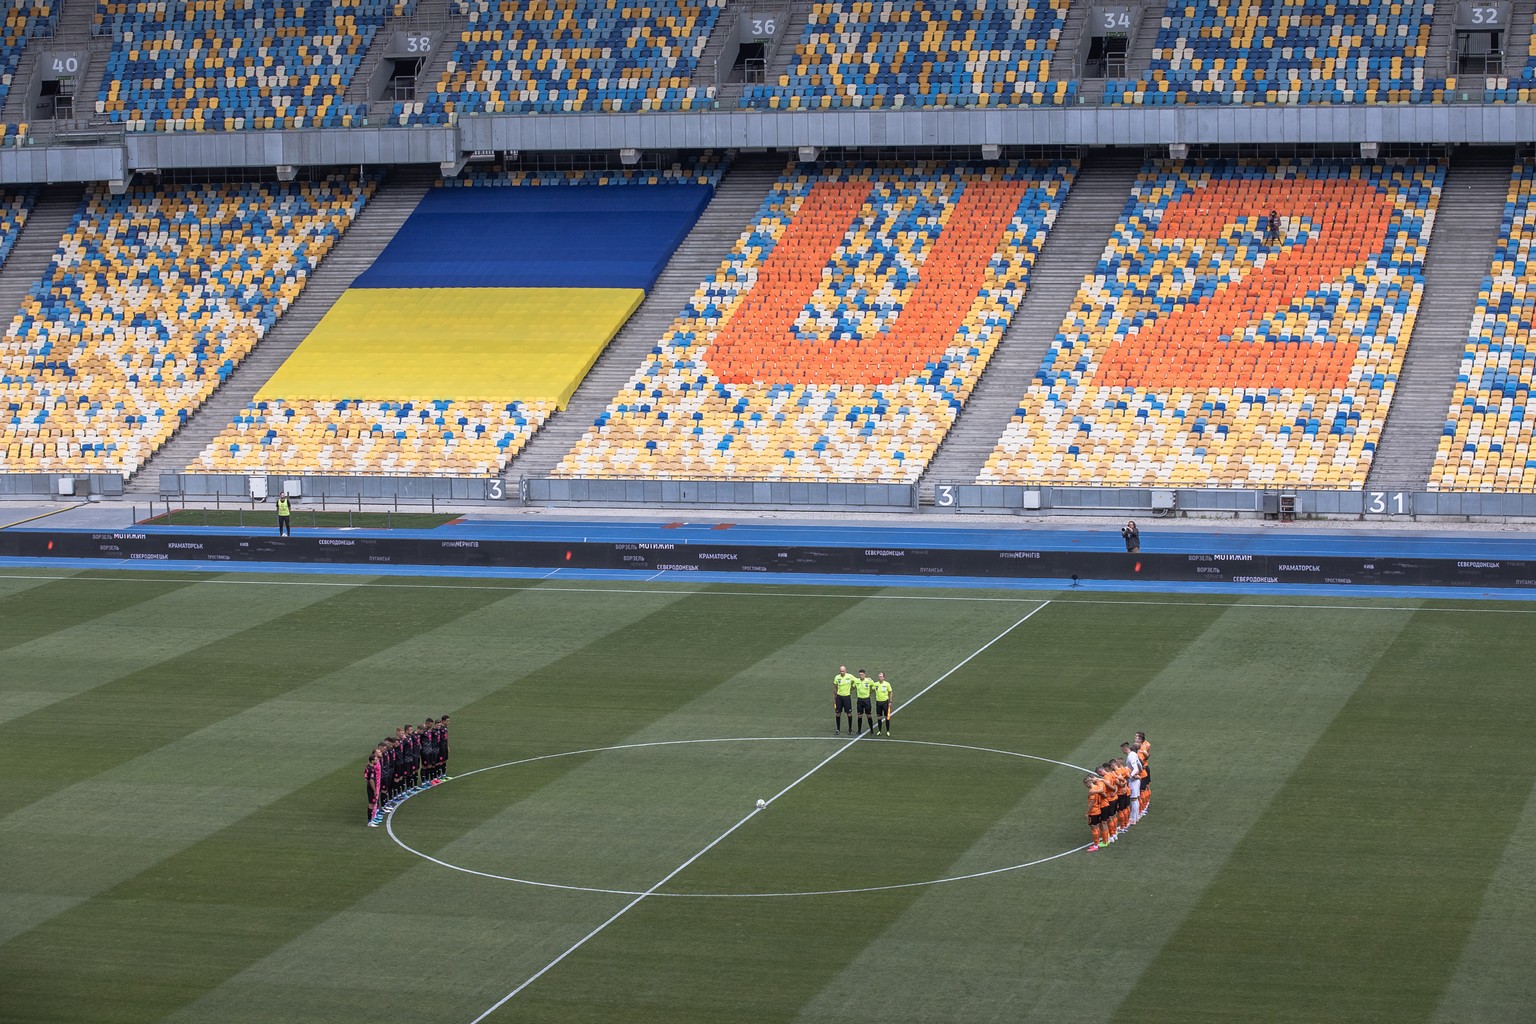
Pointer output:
844, 332
1215, 347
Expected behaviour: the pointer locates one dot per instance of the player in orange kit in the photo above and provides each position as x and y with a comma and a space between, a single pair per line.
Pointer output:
1108, 785
1123, 806
1095, 810
1144, 752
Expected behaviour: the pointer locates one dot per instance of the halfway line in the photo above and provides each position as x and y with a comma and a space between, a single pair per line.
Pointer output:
632, 904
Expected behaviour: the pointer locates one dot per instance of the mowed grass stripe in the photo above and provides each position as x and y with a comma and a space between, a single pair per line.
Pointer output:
163, 801
502, 931
1348, 900
40, 610
765, 960
1028, 946
78, 657
788, 692
1494, 982
180, 929
111, 724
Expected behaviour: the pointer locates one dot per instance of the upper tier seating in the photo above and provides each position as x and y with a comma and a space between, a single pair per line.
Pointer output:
227, 64
921, 53
357, 436
153, 298
843, 333
529, 55
19, 20
1284, 51
1210, 349
1486, 442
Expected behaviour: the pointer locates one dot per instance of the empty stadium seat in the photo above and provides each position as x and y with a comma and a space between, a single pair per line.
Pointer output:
442, 437
580, 55
1284, 51
464, 406
855, 53
192, 65
1485, 444
840, 338
20, 21
1213, 347
152, 300
706, 170
15, 204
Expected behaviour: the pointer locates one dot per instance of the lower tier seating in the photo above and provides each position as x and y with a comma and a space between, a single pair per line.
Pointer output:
1244, 328
1486, 443
843, 333
152, 299
354, 436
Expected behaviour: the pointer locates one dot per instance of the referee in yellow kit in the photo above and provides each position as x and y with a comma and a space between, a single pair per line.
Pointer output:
842, 700
863, 686
882, 690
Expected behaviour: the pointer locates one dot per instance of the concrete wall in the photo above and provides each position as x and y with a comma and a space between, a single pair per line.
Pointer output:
1438, 124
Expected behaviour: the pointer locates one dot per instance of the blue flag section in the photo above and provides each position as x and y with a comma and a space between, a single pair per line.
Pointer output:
557, 236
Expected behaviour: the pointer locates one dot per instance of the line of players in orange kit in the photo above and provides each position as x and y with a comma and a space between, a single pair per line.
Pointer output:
1119, 791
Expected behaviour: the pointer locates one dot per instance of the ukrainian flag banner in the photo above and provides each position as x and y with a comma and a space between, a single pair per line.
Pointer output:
494, 293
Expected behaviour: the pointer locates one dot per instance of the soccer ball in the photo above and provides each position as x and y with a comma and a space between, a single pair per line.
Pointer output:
761, 804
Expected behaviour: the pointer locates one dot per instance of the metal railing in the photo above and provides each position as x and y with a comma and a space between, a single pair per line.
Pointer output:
345, 489
1047, 500
261, 512
717, 492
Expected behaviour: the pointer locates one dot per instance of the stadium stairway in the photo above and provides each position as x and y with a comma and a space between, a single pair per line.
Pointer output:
36, 245
723, 36
1517, 41
14, 110
736, 200
443, 17
1071, 47
393, 201
1140, 58
73, 30
1461, 247
791, 33
1438, 49
1072, 251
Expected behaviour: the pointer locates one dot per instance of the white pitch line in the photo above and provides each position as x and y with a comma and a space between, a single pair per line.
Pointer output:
728, 832
389, 822
145, 576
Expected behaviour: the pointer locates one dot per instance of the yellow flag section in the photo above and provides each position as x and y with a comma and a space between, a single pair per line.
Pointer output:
467, 344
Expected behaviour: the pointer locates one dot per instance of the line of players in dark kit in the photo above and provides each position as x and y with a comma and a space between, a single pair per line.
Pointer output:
415, 758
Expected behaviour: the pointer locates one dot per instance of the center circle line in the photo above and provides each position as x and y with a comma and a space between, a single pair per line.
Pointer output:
389, 823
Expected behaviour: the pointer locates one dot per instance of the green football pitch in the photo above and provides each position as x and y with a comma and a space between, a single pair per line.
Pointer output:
1343, 825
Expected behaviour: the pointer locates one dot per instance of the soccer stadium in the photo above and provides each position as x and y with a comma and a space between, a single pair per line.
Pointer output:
753, 490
